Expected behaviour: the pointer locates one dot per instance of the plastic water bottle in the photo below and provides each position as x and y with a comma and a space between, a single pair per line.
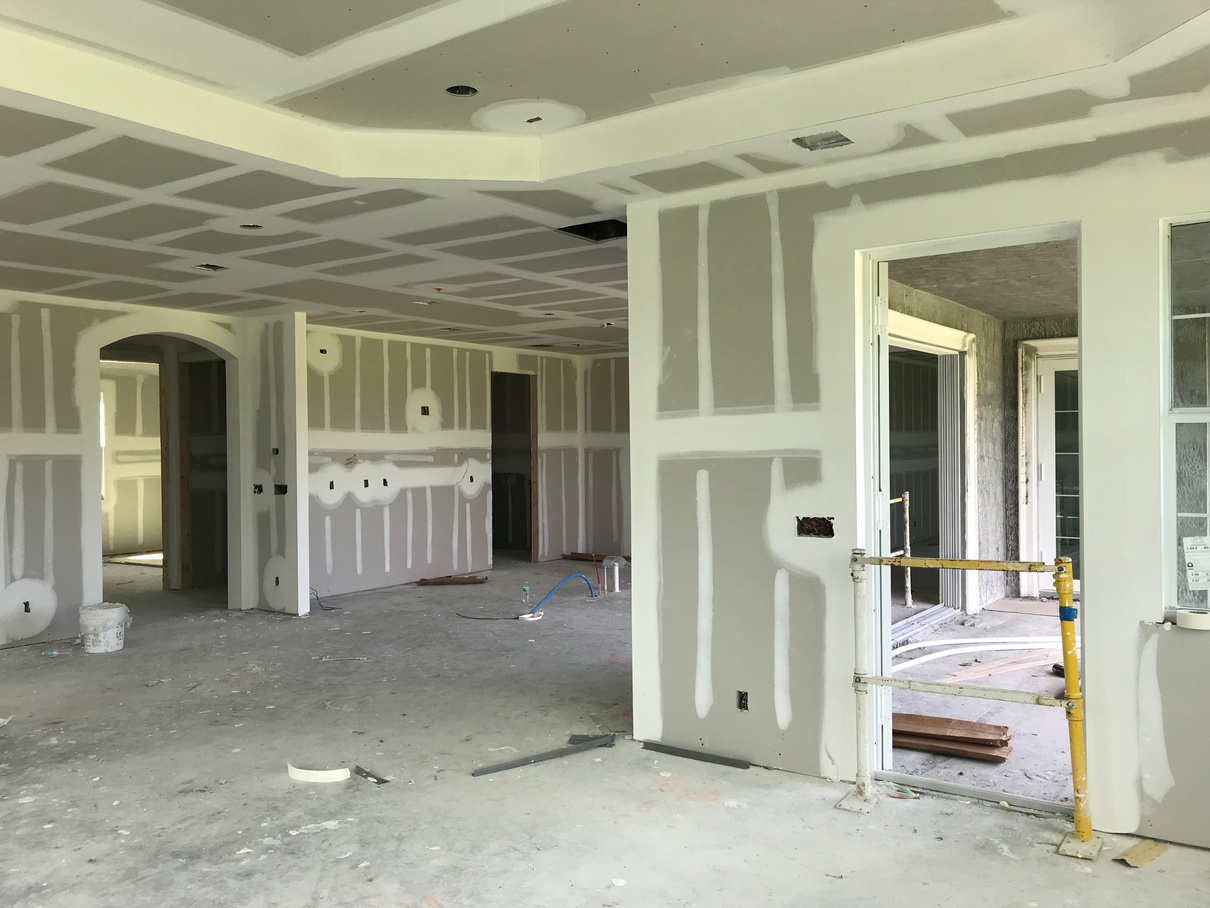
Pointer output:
526, 599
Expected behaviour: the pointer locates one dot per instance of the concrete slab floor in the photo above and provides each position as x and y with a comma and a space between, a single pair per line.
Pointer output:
157, 776
1040, 764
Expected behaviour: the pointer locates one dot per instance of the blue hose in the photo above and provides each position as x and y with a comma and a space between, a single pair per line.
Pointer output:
591, 592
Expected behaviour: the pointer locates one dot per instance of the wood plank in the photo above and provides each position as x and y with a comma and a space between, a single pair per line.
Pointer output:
950, 729
985, 752
450, 581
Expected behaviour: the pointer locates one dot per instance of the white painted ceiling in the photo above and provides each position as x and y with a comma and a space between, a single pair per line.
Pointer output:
137, 136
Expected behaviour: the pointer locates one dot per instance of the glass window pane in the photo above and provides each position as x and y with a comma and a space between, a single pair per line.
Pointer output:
1191, 467
1189, 363
1067, 391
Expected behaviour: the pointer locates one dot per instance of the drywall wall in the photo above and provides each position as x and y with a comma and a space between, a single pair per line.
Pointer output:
607, 455
400, 457
51, 534
130, 502
1115, 192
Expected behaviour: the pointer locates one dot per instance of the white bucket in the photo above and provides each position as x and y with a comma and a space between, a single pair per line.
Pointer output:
103, 627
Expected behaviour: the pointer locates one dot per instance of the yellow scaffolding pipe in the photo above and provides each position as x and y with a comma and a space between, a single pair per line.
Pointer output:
1081, 843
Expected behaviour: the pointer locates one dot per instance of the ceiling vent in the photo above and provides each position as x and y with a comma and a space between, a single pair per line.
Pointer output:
211, 267
597, 231
823, 141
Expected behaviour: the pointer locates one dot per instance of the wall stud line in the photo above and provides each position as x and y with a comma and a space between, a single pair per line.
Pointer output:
357, 539
328, 543
457, 393
48, 523
705, 366
18, 400
48, 374
781, 649
4, 555
18, 557
411, 521
454, 532
782, 396
469, 551
428, 510
357, 383
386, 385
704, 680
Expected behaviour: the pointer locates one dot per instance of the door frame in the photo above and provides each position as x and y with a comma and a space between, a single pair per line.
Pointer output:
1031, 355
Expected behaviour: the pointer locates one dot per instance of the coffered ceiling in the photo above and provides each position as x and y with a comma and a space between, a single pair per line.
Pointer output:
310, 149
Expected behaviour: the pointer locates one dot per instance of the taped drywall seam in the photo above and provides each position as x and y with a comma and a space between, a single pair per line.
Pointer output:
590, 504
411, 522
613, 499
138, 404
48, 375
4, 559
19, 521
487, 525
1156, 771
454, 532
18, 405
357, 538
428, 367
487, 384
781, 649
563, 496
140, 522
48, 523
386, 538
469, 552
705, 366
386, 385
466, 385
457, 393
428, 510
562, 398
704, 685
220, 535
357, 383
782, 398
543, 476
328, 398
271, 364
328, 542
613, 395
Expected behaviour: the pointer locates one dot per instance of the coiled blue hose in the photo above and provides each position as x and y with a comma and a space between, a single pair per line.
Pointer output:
591, 592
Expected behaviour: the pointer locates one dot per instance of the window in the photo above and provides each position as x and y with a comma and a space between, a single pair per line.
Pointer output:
1190, 287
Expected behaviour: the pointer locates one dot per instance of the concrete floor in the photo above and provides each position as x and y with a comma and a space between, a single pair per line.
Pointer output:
1039, 766
157, 776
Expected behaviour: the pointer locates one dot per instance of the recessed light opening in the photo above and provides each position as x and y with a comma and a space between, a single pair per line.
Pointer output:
823, 141
463, 91
534, 120
210, 266
251, 226
597, 231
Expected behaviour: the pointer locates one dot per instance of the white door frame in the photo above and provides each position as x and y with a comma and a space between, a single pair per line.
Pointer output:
929, 337
1031, 356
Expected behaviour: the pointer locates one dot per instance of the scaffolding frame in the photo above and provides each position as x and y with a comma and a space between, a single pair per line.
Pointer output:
1081, 843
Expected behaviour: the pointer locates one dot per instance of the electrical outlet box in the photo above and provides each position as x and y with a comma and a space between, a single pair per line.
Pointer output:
741, 700
816, 527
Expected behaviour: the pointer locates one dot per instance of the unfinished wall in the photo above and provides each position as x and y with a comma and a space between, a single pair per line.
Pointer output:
131, 497
607, 455
400, 451
793, 248
205, 400
51, 531
512, 461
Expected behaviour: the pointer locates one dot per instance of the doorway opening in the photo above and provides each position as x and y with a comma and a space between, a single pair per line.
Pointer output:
164, 471
514, 466
979, 416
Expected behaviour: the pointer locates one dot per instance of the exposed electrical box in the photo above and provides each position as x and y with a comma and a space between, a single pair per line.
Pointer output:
818, 527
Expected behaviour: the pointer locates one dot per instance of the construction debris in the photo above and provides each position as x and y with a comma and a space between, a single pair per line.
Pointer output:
369, 776
1141, 853
588, 744
450, 581
956, 737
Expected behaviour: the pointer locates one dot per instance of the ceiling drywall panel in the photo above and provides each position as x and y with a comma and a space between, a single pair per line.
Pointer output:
587, 258
464, 231
521, 244
1037, 280
258, 189
190, 300
1055, 107
610, 58
553, 201
692, 176
143, 221
361, 204
400, 260
113, 291
317, 253
22, 131
32, 281
131, 162
1187, 74
282, 24
48, 201
218, 243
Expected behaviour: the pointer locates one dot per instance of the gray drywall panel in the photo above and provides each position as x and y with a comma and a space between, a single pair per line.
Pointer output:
315, 399
603, 501
570, 378
373, 418
397, 360
1174, 735
742, 648
596, 396
741, 317
678, 261
478, 366
443, 379
6, 371
342, 386
33, 382
797, 209
621, 381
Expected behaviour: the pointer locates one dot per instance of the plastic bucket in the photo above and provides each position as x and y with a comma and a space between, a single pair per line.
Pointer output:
103, 627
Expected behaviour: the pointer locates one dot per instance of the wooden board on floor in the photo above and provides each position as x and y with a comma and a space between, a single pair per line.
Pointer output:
1048, 608
959, 730
450, 581
986, 752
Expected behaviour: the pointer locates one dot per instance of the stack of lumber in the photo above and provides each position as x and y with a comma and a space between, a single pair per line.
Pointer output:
955, 737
